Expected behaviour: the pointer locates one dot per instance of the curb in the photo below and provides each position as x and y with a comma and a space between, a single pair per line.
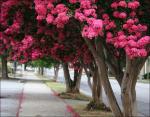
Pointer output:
68, 107
20, 102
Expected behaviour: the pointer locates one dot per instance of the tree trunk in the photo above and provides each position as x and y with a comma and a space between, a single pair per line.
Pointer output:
97, 89
134, 102
56, 70
128, 92
72, 86
68, 80
15, 66
88, 74
89, 82
25, 67
77, 81
102, 69
42, 71
4, 68
39, 70
119, 77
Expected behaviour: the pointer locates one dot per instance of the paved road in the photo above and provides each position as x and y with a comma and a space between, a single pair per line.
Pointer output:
143, 92
31, 98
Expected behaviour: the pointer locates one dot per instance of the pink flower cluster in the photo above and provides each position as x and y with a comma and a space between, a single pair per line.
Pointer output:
27, 42
15, 27
130, 35
87, 13
133, 5
4, 43
123, 4
73, 1
36, 54
5, 7
56, 15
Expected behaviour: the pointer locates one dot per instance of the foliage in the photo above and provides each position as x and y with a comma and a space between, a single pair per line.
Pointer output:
44, 62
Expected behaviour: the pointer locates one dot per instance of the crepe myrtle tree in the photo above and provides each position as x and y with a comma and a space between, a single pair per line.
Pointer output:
14, 24
114, 23
107, 27
129, 40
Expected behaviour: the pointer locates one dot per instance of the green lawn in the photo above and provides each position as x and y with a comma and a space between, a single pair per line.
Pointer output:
58, 87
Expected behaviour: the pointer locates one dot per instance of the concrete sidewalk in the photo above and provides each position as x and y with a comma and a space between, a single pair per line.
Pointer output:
28, 98
39, 101
10, 91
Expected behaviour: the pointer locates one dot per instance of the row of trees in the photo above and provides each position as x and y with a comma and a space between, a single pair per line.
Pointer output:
88, 34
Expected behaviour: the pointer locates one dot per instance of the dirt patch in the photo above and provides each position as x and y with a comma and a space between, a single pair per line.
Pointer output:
80, 109
78, 96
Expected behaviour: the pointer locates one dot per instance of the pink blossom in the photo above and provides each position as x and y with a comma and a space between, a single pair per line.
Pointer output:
132, 43
121, 44
109, 35
133, 5
130, 21
132, 14
142, 53
138, 34
132, 37
120, 33
73, 1
89, 32
50, 5
49, 18
40, 17
105, 16
112, 24
142, 28
85, 4
80, 16
61, 20
134, 27
97, 23
144, 41
60, 8
107, 27
88, 12
122, 4
116, 14
136, 20
125, 26
41, 9
114, 5
122, 15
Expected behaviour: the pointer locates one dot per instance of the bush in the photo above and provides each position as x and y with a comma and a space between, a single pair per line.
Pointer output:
146, 76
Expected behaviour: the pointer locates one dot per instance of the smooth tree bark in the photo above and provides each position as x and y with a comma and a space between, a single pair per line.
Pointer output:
77, 80
114, 64
97, 89
72, 86
103, 71
25, 67
42, 71
4, 68
39, 70
56, 70
128, 92
89, 75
